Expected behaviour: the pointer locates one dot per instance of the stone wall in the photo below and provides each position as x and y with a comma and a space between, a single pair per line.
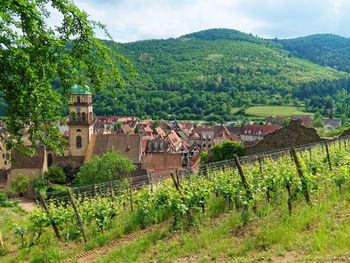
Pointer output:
292, 135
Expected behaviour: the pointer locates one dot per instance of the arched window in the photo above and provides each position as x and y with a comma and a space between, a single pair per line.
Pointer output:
49, 160
78, 114
78, 99
83, 116
78, 142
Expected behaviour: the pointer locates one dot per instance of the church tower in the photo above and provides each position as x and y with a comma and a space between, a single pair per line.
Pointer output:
80, 122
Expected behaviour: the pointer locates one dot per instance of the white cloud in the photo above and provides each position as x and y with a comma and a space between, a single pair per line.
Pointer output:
130, 20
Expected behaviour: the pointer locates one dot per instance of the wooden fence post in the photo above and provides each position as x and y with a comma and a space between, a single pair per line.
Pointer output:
77, 214
43, 202
131, 199
296, 161
244, 181
329, 159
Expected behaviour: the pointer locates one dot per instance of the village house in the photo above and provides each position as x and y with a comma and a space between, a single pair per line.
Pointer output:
331, 124
305, 119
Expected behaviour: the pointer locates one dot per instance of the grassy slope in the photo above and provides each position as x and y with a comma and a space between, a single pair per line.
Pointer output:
314, 234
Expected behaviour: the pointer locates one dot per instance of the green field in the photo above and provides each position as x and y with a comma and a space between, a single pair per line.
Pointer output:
282, 111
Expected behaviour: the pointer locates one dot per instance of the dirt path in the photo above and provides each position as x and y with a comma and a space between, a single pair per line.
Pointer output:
27, 206
91, 255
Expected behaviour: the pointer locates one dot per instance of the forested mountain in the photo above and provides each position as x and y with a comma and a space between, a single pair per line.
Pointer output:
324, 49
205, 74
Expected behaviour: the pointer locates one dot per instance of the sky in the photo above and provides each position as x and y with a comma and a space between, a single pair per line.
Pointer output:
132, 20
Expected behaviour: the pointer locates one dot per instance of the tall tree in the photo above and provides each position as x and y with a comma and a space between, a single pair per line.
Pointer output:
35, 49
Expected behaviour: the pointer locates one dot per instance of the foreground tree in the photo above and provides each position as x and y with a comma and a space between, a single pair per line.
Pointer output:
34, 52
111, 166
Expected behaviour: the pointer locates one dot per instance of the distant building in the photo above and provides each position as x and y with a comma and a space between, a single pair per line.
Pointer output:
305, 119
331, 124
251, 133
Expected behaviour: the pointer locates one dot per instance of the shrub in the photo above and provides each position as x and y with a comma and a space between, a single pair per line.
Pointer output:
111, 166
3, 199
71, 170
56, 175
20, 183
39, 184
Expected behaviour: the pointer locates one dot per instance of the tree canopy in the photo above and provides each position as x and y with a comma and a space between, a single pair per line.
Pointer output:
111, 166
223, 151
36, 52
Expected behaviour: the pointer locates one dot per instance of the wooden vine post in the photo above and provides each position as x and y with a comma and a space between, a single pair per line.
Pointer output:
300, 173
178, 190
310, 152
260, 166
131, 199
43, 202
150, 181
1, 242
329, 158
177, 177
77, 214
244, 180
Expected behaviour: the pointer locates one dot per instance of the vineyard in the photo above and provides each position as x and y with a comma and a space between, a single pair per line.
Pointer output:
249, 188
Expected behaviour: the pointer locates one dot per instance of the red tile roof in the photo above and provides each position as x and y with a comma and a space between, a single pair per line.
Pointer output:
173, 138
259, 130
306, 119
161, 162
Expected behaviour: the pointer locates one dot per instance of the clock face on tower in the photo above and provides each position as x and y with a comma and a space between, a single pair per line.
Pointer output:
78, 109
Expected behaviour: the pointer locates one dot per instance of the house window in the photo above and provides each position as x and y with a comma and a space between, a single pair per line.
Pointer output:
83, 116
78, 130
78, 142
49, 159
78, 99
7, 156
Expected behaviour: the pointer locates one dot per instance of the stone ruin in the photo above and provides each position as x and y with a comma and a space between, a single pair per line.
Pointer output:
294, 134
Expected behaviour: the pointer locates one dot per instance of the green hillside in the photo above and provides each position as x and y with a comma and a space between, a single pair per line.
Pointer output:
205, 74
324, 49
